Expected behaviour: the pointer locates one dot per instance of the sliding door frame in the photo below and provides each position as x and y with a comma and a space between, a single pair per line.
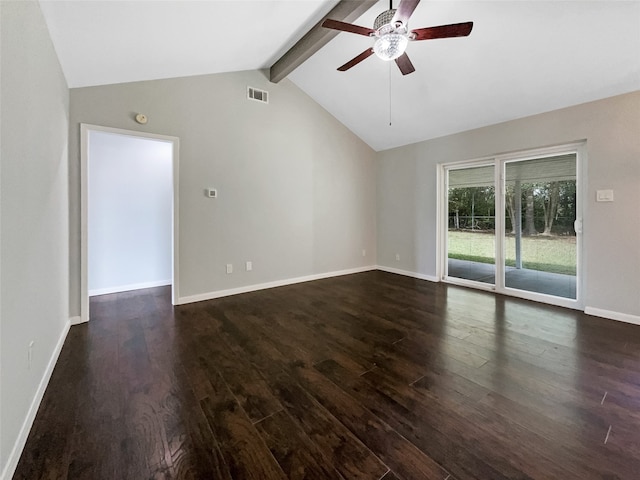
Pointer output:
443, 221
499, 162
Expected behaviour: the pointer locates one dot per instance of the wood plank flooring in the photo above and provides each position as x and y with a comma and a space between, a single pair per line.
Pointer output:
367, 376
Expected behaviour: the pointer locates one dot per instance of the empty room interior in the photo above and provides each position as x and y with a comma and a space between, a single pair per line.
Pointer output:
320, 239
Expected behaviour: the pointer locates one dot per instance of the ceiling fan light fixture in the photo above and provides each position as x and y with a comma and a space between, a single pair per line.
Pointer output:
390, 46
391, 35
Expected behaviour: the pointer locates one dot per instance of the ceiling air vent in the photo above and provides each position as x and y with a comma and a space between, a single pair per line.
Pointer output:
257, 95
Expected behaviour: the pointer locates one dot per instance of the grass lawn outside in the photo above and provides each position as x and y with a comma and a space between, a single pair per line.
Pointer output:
554, 254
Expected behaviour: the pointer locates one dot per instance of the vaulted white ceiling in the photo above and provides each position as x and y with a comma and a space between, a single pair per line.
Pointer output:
101, 42
522, 57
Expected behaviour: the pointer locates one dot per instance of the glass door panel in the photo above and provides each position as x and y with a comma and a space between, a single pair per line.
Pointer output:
540, 210
471, 241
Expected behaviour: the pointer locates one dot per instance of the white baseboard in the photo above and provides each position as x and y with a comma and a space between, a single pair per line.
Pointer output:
620, 317
20, 442
127, 288
77, 320
407, 273
263, 286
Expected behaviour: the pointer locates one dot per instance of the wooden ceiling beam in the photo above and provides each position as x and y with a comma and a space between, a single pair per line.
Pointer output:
317, 37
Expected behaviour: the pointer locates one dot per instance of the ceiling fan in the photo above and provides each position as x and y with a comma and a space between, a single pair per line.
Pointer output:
392, 34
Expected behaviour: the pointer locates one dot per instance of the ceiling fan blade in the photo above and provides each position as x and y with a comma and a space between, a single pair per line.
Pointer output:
354, 61
443, 31
404, 11
348, 27
404, 64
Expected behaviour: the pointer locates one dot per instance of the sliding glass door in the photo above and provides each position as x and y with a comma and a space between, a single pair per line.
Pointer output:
530, 247
539, 238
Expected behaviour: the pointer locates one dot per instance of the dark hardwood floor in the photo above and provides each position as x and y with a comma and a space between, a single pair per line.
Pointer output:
367, 376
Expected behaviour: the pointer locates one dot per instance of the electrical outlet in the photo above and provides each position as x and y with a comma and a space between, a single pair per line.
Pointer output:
229, 268
364, 252
249, 266
397, 257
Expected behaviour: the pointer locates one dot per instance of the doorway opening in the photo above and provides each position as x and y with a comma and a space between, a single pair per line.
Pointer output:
513, 224
129, 212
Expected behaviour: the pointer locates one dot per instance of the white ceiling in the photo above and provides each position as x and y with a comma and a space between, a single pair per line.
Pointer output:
522, 57
115, 41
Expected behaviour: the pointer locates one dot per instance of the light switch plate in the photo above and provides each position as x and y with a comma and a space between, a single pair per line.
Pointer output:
604, 196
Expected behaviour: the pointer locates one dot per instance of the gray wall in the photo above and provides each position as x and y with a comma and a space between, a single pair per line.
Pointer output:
406, 192
33, 213
296, 188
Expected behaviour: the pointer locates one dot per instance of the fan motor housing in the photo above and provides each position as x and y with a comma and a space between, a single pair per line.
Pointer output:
384, 24
384, 19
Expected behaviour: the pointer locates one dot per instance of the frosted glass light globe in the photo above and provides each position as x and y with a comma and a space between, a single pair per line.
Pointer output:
390, 46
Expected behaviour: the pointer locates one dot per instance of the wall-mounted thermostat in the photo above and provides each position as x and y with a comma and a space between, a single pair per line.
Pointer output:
211, 192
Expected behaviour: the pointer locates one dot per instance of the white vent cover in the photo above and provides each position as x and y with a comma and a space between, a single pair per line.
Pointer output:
257, 95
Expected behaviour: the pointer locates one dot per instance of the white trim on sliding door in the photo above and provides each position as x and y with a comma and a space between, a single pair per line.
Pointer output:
440, 188
443, 220
581, 214
499, 228
579, 148
499, 162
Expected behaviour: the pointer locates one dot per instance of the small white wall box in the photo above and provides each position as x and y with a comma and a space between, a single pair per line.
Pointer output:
211, 193
604, 196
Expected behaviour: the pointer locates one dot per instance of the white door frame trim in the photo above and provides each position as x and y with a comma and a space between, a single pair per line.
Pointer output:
85, 131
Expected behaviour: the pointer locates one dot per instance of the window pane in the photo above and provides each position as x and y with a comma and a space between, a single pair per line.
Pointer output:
471, 232
540, 243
